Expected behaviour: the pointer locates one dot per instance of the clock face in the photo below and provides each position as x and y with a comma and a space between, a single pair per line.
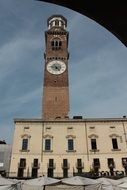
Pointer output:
56, 67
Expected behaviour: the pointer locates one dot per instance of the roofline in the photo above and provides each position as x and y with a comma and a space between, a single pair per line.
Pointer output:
22, 120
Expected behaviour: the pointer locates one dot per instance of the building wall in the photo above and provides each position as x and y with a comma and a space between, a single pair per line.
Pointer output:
5, 156
81, 131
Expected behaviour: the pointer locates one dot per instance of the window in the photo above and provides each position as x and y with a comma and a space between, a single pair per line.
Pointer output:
124, 163
50, 172
51, 24
65, 163
65, 168
56, 44
79, 162
25, 144
47, 144
34, 173
50, 168
110, 163
114, 143
62, 24
57, 22
21, 167
70, 144
96, 162
51, 163
52, 43
35, 162
96, 165
93, 144
22, 163
79, 166
35, 167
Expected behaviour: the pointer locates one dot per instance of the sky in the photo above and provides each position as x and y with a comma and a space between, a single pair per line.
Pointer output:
97, 64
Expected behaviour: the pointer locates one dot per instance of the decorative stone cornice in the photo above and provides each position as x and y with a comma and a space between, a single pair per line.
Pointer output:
47, 136
114, 135
25, 136
93, 136
70, 136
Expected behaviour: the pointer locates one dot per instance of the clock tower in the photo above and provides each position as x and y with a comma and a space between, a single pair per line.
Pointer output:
56, 89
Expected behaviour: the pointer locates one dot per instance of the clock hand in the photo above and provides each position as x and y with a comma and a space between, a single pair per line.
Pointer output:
57, 68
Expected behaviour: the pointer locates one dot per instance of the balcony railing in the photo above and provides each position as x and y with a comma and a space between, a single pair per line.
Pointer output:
22, 165
111, 165
97, 165
51, 166
65, 166
33, 165
94, 150
80, 165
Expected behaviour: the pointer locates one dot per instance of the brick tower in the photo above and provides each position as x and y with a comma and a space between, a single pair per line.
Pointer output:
56, 89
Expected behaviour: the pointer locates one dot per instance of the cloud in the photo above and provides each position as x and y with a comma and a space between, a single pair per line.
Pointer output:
100, 82
6, 132
17, 102
12, 54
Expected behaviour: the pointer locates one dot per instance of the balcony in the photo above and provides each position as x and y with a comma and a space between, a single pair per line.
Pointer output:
22, 165
94, 150
51, 166
116, 149
70, 150
80, 165
65, 166
124, 162
111, 165
35, 166
24, 150
97, 165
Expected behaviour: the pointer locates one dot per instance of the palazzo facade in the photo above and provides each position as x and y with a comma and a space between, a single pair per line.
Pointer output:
56, 145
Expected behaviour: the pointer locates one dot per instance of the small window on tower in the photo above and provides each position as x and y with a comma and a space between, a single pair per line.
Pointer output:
56, 44
52, 43
56, 23
60, 43
62, 24
51, 24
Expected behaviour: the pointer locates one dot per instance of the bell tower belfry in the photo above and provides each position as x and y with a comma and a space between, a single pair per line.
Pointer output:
56, 87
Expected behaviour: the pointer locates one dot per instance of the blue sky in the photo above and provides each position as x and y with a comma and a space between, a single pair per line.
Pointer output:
97, 64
